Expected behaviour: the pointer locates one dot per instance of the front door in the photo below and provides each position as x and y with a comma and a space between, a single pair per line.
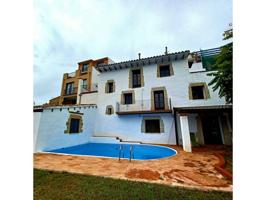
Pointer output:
159, 100
211, 129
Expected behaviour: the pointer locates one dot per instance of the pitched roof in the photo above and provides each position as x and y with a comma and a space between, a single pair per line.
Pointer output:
160, 59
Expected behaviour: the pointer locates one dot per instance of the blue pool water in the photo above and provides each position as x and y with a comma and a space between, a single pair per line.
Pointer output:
140, 151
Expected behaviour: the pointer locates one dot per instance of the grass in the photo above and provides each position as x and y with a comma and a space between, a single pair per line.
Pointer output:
56, 186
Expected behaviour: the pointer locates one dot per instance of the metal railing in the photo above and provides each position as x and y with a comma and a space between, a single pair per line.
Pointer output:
142, 105
121, 150
70, 91
131, 153
121, 153
93, 88
71, 75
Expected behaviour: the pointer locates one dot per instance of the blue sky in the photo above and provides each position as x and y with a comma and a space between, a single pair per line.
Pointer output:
69, 31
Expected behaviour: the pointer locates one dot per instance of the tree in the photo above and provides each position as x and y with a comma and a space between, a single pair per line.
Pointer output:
223, 77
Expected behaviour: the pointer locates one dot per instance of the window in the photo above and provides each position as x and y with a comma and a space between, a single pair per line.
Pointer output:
152, 126
128, 98
164, 70
110, 87
109, 110
197, 92
159, 100
69, 88
136, 78
74, 125
84, 84
84, 67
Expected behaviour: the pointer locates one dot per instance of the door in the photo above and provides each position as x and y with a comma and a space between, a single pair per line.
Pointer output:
159, 100
211, 129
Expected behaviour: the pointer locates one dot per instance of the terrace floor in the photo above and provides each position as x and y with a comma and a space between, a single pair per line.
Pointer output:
193, 170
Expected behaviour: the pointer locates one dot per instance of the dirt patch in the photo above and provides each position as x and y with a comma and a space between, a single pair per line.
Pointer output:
143, 174
189, 164
194, 178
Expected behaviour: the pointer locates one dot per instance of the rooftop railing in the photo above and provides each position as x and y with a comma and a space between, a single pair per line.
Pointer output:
71, 75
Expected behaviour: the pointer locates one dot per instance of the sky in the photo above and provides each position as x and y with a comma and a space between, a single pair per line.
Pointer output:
69, 31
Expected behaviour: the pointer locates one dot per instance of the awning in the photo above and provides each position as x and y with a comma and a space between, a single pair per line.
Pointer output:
197, 109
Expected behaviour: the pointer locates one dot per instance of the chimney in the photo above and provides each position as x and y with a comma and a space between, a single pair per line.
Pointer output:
139, 55
166, 52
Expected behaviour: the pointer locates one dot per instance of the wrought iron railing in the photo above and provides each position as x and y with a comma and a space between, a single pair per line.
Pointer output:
144, 105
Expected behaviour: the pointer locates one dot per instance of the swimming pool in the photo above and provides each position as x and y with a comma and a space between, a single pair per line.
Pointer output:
140, 151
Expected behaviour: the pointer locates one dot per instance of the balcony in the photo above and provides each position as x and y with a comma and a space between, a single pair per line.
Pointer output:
86, 89
71, 75
70, 91
143, 107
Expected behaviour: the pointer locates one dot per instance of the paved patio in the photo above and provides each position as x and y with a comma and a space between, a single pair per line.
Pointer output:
195, 170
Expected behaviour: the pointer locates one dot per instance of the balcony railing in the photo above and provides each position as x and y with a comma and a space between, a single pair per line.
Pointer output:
93, 88
71, 75
143, 106
71, 91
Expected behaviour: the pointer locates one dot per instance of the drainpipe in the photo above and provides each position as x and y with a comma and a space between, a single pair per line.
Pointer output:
79, 91
176, 130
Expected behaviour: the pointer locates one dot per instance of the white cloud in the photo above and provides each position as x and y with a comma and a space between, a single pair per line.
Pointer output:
66, 32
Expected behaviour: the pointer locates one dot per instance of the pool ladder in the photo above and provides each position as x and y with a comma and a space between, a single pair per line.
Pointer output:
131, 152
121, 150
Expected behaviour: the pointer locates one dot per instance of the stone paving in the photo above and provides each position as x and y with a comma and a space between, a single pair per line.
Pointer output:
194, 170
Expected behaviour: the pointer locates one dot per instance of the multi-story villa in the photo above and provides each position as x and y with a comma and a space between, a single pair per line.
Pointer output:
85, 76
161, 100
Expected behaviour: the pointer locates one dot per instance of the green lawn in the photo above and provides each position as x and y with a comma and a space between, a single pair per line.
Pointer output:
54, 185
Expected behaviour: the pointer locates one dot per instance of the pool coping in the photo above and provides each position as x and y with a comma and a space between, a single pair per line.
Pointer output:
66, 154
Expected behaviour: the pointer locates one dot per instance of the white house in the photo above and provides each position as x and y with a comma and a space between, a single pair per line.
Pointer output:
161, 100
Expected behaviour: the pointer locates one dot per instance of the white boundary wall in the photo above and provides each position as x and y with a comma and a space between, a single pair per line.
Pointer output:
36, 124
52, 125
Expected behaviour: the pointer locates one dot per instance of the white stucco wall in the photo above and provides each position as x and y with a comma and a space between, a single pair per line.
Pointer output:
94, 77
36, 123
89, 98
52, 125
129, 126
